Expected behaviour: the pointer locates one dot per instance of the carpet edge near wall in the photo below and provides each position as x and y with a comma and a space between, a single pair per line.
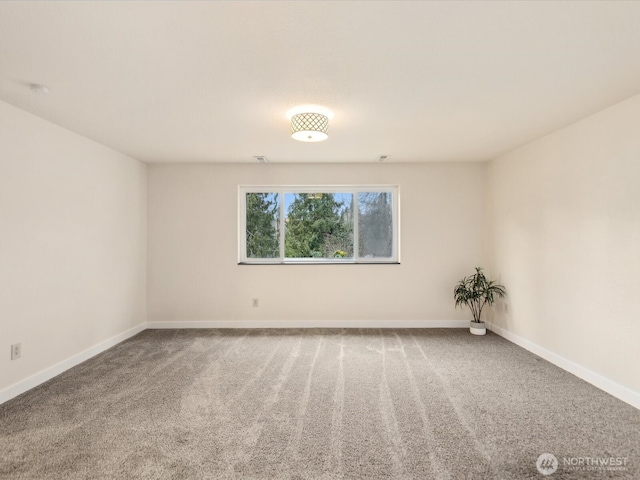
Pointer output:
606, 385
48, 373
609, 386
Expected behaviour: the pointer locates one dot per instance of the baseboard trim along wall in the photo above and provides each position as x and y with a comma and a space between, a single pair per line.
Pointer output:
623, 393
618, 391
310, 324
48, 373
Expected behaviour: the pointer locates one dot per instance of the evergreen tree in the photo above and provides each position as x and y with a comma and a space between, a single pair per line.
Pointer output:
263, 225
318, 226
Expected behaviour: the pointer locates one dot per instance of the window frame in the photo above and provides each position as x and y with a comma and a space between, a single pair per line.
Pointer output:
243, 190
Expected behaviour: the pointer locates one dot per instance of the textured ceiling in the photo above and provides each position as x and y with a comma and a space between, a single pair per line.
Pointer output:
419, 81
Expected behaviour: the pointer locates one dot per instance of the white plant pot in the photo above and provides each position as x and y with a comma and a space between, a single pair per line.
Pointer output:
478, 328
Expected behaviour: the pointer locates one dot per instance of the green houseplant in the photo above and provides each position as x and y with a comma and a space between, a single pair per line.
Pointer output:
476, 291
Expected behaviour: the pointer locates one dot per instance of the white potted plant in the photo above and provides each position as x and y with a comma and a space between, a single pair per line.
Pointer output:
476, 291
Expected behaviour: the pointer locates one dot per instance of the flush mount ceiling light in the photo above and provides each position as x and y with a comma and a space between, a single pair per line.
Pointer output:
309, 123
309, 127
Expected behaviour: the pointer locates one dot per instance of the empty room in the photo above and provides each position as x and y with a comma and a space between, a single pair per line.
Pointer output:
319, 240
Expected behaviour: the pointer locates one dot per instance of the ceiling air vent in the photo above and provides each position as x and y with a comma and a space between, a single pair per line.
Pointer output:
382, 158
261, 159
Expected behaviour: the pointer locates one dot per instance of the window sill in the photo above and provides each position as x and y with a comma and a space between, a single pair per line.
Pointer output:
307, 262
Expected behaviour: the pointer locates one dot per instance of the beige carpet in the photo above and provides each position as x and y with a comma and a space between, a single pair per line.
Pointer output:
315, 404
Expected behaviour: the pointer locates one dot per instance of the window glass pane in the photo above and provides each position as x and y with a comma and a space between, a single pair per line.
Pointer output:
263, 225
375, 225
318, 225
315, 224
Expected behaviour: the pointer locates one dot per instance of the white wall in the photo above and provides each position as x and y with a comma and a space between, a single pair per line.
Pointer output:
564, 238
565, 214
72, 245
193, 242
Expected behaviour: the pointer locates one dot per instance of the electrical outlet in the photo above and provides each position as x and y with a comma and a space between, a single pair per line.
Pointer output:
255, 303
16, 351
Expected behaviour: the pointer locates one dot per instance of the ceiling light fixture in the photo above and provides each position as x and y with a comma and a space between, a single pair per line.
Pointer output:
309, 127
309, 123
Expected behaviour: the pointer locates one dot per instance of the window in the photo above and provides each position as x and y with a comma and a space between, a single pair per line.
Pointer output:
318, 224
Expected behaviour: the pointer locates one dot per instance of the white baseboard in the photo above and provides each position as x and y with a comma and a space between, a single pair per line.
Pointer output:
623, 393
48, 373
311, 324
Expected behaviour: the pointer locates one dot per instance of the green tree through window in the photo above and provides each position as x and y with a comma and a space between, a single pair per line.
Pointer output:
263, 225
314, 224
318, 225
